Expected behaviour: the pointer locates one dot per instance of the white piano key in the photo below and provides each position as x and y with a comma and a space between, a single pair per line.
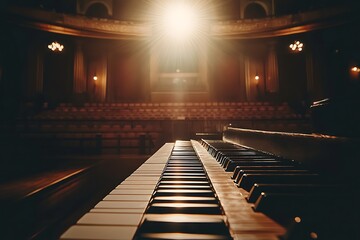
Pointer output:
78, 232
121, 204
137, 182
143, 178
135, 187
124, 219
151, 167
118, 210
132, 192
128, 197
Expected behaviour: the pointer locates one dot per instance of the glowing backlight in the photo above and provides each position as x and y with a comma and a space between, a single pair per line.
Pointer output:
179, 21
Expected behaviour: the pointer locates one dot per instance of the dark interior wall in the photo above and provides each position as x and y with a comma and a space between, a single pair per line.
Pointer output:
254, 10
129, 76
283, 7
227, 9
98, 10
13, 69
67, 6
224, 79
58, 74
138, 10
341, 53
292, 76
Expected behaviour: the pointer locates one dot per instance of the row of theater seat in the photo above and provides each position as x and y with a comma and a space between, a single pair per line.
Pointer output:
170, 111
172, 104
304, 200
89, 127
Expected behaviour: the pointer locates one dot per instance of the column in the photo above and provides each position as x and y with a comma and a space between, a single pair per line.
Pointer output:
36, 71
272, 78
97, 86
79, 69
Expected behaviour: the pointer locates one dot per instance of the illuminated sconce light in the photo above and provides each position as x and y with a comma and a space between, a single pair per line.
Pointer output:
297, 46
56, 47
95, 78
257, 78
313, 235
355, 69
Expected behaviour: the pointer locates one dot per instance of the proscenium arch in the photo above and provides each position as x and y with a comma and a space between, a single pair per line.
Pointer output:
254, 10
265, 5
96, 3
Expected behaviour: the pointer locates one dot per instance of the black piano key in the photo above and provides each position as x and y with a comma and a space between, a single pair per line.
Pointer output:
233, 154
267, 171
248, 180
264, 167
184, 199
180, 161
226, 160
257, 189
184, 223
183, 157
184, 189
183, 153
230, 167
206, 183
200, 173
182, 186
184, 192
182, 236
269, 167
184, 178
183, 169
187, 208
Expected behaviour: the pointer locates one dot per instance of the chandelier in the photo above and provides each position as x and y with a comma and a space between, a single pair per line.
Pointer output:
56, 47
297, 46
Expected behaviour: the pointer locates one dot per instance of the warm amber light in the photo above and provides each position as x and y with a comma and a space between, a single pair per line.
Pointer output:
95, 78
257, 77
180, 21
355, 69
297, 219
313, 235
297, 46
56, 47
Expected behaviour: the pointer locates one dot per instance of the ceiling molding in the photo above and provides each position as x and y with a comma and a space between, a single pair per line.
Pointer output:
81, 26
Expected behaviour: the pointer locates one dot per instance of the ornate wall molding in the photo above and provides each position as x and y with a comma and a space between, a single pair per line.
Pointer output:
77, 25
279, 26
241, 29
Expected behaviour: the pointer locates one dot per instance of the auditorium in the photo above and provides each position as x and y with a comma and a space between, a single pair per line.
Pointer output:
179, 119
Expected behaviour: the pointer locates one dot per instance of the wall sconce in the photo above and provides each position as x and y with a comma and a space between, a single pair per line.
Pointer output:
257, 78
56, 47
355, 69
297, 46
95, 78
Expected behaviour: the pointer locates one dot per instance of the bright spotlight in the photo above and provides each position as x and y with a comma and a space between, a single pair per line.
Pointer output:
180, 21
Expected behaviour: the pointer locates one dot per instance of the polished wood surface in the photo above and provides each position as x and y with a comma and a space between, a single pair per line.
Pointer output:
120, 213
244, 223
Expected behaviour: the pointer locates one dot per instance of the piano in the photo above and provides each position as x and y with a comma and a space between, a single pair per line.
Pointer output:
216, 189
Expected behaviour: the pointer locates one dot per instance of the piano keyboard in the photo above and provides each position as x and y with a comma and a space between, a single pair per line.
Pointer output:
305, 201
181, 192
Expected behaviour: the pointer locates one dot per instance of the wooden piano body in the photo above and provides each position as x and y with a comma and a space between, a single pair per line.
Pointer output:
192, 190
